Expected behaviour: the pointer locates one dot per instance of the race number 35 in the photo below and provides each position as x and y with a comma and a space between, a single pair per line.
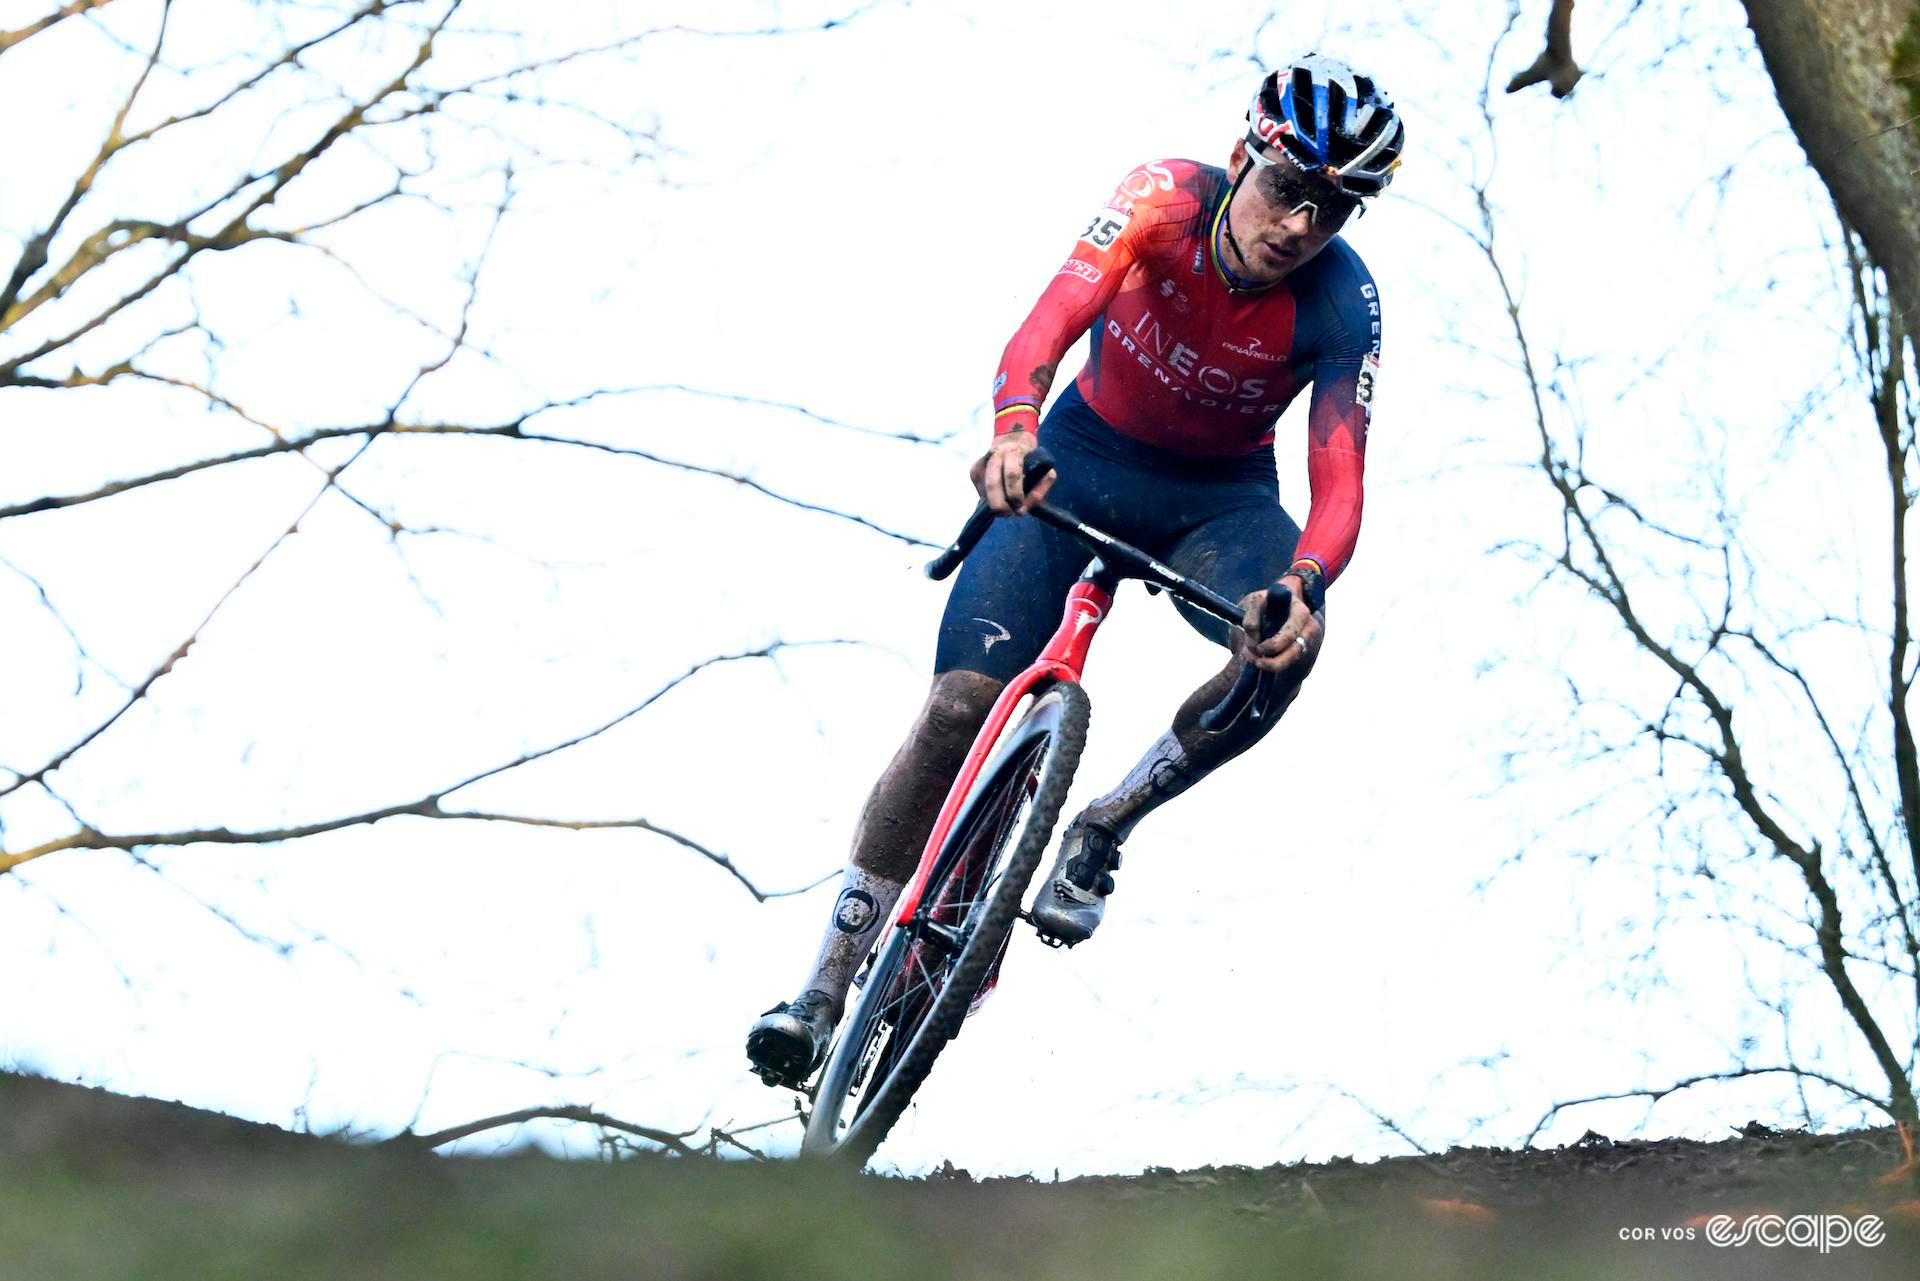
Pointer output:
1104, 227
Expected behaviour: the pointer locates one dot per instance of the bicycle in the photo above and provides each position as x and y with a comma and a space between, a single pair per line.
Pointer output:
940, 957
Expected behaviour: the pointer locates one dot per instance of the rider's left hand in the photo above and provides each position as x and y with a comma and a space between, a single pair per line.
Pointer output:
1297, 641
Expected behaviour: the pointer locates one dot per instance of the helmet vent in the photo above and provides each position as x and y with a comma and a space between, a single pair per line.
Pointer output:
1329, 118
1303, 100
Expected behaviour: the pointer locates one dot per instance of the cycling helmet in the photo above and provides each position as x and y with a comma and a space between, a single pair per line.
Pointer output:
1329, 120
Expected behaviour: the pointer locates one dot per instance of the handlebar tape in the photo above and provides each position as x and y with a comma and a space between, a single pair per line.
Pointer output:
1038, 463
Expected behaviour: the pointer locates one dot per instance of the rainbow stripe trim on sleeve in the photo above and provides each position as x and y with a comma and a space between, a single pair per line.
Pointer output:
1315, 561
1015, 406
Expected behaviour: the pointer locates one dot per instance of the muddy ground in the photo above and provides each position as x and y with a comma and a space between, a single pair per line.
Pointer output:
99, 1186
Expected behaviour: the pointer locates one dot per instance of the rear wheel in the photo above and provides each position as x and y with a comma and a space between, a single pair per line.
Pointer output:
929, 973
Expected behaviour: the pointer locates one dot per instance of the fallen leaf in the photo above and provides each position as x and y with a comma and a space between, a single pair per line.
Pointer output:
1905, 1169
1458, 1211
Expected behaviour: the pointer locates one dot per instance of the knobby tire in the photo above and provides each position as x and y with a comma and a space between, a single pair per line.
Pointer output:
885, 1100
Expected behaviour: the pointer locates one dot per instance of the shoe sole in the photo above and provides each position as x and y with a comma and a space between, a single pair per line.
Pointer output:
777, 1060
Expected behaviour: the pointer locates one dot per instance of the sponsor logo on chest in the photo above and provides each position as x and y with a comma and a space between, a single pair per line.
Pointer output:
1251, 347
1177, 366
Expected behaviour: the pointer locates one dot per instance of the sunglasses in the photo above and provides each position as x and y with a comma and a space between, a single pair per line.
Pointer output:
1292, 190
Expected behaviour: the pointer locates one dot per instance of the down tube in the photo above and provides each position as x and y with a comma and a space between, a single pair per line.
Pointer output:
1063, 659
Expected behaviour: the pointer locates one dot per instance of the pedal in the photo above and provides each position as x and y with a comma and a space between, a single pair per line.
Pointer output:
767, 1059
771, 1079
1043, 936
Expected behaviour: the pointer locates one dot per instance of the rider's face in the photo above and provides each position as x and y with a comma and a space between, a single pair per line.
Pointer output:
1272, 234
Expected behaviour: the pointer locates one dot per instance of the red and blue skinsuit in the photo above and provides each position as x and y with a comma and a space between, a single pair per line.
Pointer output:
1182, 362
1165, 438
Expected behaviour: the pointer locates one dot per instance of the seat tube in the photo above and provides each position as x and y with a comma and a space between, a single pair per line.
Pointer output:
1087, 604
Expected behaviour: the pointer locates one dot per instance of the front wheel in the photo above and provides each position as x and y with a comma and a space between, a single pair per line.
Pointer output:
929, 972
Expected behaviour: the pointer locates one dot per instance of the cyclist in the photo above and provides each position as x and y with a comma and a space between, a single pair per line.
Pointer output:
1214, 296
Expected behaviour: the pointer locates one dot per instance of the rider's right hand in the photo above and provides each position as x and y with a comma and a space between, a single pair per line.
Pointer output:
997, 474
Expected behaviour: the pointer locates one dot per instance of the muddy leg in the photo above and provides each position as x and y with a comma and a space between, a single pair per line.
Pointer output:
896, 821
1186, 753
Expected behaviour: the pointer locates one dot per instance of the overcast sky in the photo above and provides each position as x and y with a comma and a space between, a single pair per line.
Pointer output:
855, 221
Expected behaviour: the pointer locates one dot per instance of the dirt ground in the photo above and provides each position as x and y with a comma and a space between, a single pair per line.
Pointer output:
100, 1186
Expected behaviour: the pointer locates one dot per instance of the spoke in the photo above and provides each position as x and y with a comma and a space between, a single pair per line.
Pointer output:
955, 896
913, 956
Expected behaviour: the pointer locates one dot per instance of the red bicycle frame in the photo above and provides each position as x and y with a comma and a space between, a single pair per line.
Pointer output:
1062, 660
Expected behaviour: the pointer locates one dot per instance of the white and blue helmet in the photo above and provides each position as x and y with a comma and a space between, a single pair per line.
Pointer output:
1329, 120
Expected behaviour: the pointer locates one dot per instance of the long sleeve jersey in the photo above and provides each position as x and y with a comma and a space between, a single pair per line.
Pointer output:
1181, 361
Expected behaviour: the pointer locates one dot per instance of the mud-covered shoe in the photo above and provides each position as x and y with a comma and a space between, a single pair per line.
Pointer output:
790, 1040
1069, 906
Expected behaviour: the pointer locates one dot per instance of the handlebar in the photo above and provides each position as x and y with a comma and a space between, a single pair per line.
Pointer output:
1038, 463
1251, 690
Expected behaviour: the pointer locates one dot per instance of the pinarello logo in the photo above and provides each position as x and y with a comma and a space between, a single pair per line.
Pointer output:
1085, 270
1252, 348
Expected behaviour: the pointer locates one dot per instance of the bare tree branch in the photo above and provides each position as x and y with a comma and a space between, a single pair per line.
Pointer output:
672, 1142
120, 235
514, 430
1588, 556
1884, 353
180, 651
1654, 1095
908, 437
593, 825
290, 57
429, 806
8, 39
1844, 760
79, 649
236, 232
34, 255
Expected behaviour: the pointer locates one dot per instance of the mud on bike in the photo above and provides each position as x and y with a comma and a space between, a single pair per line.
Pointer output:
940, 956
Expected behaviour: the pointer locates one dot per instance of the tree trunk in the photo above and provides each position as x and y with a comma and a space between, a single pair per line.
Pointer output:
1833, 65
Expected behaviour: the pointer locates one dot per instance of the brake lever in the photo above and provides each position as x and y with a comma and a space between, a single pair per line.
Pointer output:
1252, 681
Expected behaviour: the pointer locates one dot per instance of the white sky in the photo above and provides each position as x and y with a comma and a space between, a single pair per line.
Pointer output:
855, 222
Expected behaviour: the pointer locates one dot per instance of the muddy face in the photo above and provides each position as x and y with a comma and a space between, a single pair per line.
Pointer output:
1273, 232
